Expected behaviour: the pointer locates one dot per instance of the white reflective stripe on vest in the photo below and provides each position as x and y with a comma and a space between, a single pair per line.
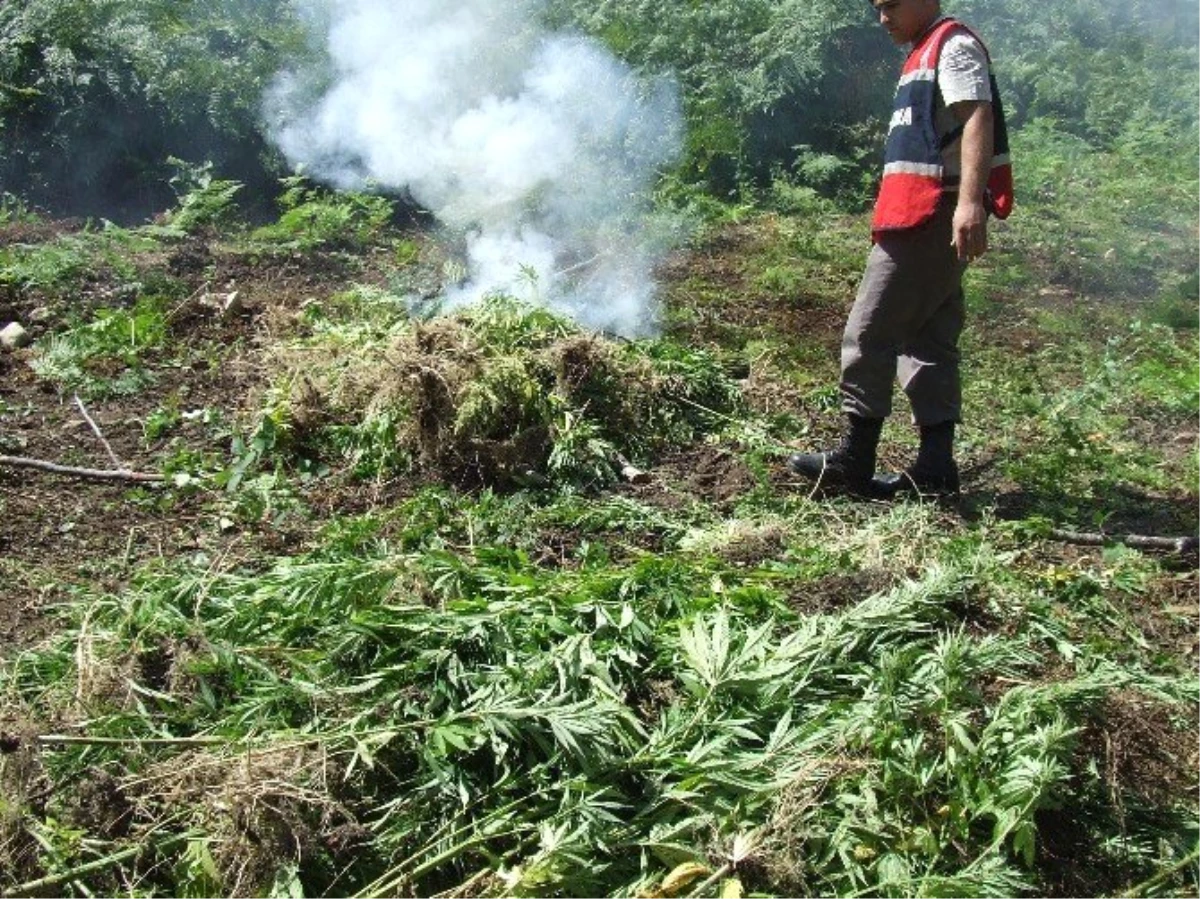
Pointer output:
912, 168
917, 75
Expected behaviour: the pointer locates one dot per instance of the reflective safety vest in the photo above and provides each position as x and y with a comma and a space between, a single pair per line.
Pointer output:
913, 171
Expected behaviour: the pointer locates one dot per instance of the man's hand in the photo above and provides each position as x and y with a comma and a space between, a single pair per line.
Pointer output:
970, 218
970, 229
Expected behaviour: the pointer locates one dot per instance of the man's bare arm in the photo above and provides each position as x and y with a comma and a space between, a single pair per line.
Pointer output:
970, 217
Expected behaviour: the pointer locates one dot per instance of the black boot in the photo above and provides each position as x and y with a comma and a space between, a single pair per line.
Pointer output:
851, 466
934, 473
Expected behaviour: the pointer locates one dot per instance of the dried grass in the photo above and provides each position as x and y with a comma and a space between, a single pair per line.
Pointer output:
20, 773
261, 809
468, 410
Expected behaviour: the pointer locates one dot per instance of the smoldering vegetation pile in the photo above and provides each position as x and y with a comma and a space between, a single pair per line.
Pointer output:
500, 395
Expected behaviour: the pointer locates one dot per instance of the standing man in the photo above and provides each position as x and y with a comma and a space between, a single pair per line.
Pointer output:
946, 167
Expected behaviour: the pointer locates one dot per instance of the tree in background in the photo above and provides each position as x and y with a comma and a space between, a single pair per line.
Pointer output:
767, 85
95, 95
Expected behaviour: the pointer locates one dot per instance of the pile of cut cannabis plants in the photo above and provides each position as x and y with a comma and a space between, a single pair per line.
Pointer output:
449, 718
498, 395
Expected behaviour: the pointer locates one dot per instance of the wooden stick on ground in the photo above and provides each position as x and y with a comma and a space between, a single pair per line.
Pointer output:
1136, 541
87, 474
631, 472
96, 430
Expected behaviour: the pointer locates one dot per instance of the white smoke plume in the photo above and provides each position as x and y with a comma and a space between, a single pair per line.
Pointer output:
538, 147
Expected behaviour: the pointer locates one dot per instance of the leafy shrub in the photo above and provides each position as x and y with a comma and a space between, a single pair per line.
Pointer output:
1108, 222
758, 77
1100, 69
203, 201
313, 216
97, 94
75, 266
1177, 306
15, 209
103, 357
45, 266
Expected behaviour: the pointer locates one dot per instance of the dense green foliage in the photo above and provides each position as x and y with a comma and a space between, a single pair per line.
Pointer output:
590, 730
94, 96
1104, 70
767, 84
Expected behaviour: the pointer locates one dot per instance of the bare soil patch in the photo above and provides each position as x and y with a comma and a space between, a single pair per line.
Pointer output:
716, 281
838, 591
38, 231
703, 473
1148, 760
60, 533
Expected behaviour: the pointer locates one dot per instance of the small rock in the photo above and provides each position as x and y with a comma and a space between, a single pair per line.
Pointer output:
13, 336
232, 305
41, 314
635, 475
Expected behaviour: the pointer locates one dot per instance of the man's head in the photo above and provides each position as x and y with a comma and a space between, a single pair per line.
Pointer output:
906, 20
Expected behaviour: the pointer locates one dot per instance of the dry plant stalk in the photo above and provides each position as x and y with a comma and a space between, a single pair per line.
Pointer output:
260, 807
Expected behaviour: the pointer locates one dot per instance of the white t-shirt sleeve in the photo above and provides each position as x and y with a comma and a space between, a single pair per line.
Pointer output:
963, 70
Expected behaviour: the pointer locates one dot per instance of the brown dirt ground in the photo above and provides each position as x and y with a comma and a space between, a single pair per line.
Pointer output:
37, 231
717, 281
1146, 758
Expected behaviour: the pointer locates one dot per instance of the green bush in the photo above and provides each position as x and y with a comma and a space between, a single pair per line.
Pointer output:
104, 356
759, 78
95, 95
313, 216
1177, 306
203, 201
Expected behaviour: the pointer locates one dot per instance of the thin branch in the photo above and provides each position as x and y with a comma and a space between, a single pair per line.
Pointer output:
631, 472
1136, 541
96, 430
34, 886
10, 744
89, 474
66, 740
1162, 876
574, 268
203, 288
713, 412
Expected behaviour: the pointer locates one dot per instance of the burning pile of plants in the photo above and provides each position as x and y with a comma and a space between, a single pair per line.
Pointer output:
499, 395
